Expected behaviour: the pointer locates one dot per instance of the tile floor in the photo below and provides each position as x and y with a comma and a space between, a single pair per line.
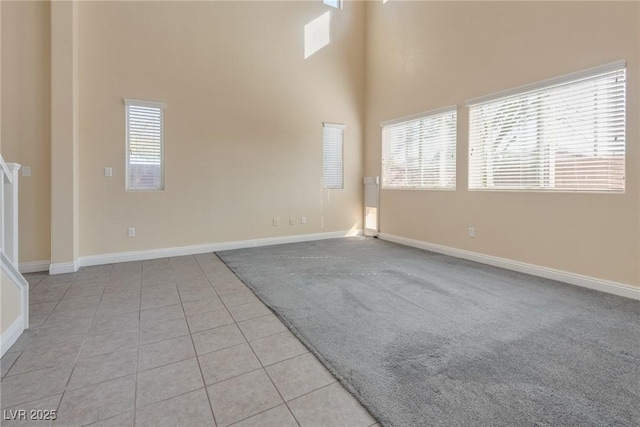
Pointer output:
167, 342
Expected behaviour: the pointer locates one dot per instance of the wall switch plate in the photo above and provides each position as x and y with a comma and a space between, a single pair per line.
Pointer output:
26, 171
303, 220
472, 232
291, 220
276, 221
131, 232
108, 172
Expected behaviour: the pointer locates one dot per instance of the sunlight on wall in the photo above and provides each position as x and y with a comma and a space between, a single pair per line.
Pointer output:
316, 34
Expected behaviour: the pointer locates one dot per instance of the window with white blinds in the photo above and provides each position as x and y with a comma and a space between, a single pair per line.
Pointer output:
419, 152
565, 134
332, 155
145, 139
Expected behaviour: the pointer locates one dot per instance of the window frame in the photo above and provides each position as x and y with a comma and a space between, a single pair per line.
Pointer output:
144, 104
339, 6
413, 118
340, 127
546, 184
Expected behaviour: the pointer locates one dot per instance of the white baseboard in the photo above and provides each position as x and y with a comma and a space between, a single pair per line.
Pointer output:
535, 270
11, 335
35, 266
199, 249
64, 267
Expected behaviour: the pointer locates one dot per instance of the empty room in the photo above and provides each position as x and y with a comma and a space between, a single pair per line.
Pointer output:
320, 213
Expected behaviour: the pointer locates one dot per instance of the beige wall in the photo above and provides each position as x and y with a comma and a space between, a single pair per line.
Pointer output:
243, 123
10, 302
26, 118
427, 55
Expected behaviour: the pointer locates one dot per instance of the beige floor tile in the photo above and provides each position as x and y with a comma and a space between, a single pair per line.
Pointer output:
330, 406
58, 336
217, 339
96, 402
42, 308
96, 345
106, 323
238, 298
46, 404
230, 286
261, 327
78, 303
202, 306
190, 409
122, 420
7, 362
45, 357
228, 363
103, 368
168, 381
160, 314
278, 416
277, 347
189, 295
241, 397
165, 352
209, 320
161, 331
116, 308
298, 376
249, 311
62, 318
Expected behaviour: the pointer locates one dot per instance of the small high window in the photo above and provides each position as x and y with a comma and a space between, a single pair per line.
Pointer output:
333, 3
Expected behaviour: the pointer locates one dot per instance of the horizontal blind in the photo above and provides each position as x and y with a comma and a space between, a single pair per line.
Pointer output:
420, 153
145, 147
332, 141
568, 136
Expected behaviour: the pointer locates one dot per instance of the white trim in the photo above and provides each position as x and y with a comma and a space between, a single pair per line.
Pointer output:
34, 266
11, 335
522, 267
23, 286
141, 103
554, 81
211, 247
333, 125
419, 115
64, 267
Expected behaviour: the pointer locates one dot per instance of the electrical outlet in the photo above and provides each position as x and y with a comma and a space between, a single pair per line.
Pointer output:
131, 232
291, 220
26, 171
276, 221
108, 172
472, 232
303, 220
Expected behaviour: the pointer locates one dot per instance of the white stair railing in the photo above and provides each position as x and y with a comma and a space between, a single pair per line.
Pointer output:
9, 217
9, 247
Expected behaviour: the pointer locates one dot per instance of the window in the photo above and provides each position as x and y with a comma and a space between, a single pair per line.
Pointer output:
565, 134
419, 152
332, 154
333, 3
145, 139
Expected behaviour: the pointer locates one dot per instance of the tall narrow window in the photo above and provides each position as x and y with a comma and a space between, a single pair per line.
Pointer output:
145, 150
419, 152
565, 134
332, 150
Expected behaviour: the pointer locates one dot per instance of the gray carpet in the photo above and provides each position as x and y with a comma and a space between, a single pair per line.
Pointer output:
423, 339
